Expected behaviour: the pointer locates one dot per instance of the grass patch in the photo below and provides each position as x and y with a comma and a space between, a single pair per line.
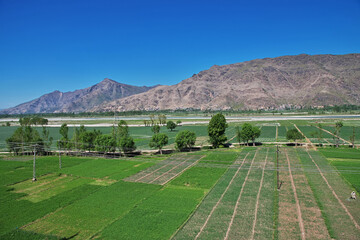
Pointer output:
157, 217
199, 177
89, 215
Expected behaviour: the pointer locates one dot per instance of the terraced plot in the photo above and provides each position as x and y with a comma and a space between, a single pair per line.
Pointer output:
166, 170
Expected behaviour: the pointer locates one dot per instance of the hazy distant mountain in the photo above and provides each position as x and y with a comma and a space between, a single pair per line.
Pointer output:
301, 80
78, 101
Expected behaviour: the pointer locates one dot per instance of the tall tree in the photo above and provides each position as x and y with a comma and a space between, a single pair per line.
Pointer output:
294, 135
338, 126
64, 140
158, 141
170, 125
155, 129
127, 144
255, 134
105, 143
185, 139
352, 138
216, 130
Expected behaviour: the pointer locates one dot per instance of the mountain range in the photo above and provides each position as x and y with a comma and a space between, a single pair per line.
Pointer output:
82, 100
269, 83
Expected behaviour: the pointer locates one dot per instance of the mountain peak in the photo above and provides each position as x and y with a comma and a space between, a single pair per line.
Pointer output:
108, 80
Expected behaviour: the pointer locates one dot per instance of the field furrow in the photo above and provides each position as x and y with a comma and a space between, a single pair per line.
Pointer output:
164, 172
341, 215
194, 225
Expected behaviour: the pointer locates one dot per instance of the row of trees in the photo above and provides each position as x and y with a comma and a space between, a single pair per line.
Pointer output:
86, 140
26, 138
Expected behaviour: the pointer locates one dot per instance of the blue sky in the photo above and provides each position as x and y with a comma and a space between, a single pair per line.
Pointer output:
48, 45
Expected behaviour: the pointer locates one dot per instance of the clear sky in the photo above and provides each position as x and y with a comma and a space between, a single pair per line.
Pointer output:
48, 45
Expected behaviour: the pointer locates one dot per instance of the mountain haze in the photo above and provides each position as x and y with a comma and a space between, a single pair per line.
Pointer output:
301, 80
77, 101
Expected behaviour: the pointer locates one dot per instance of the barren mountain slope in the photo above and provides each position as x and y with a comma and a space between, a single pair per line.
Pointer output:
301, 80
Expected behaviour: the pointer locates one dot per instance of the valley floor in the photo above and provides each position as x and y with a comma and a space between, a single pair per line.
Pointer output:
208, 194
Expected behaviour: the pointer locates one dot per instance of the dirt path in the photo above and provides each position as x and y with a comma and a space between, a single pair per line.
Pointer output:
301, 223
238, 199
334, 193
258, 196
222, 196
307, 139
334, 135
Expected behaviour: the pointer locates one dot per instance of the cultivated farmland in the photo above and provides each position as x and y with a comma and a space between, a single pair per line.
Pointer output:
207, 194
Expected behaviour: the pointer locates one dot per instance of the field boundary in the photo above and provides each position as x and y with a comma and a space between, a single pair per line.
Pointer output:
258, 196
301, 223
239, 197
334, 135
221, 197
306, 138
334, 193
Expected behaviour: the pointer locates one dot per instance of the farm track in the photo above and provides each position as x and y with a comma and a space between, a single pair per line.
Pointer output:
334, 135
306, 138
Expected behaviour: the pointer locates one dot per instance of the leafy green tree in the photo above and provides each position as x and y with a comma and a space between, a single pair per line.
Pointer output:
46, 138
185, 139
127, 144
87, 138
64, 140
170, 125
352, 138
216, 130
123, 129
25, 138
105, 143
178, 122
294, 135
255, 134
246, 133
338, 126
155, 129
159, 140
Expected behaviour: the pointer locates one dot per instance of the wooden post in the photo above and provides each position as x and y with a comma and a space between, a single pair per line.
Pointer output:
34, 165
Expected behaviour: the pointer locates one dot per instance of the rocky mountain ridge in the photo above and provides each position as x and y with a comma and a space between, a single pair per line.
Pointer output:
270, 83
79, 100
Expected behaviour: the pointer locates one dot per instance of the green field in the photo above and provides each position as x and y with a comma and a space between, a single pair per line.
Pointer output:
226, 193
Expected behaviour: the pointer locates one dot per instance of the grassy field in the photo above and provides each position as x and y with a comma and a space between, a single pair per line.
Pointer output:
207, 194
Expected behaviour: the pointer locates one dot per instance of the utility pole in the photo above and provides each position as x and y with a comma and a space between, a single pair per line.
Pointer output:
277, 167
60, 155
34, 165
